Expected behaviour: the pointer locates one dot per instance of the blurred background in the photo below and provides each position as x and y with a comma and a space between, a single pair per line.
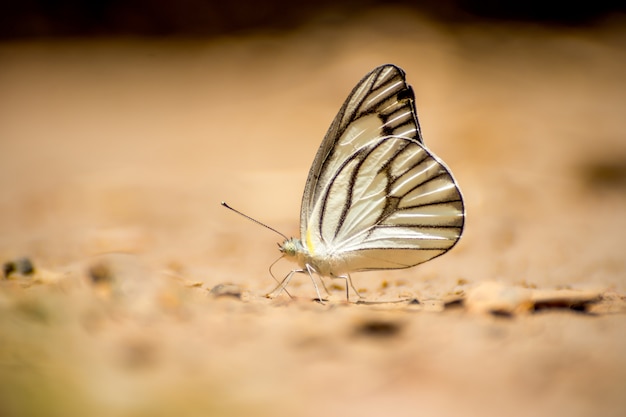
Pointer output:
123, 124
211, 18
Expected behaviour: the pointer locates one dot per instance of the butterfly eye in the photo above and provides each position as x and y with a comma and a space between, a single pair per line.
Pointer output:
288, 247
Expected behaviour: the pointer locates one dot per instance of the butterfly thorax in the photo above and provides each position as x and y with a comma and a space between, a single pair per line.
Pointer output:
323, 263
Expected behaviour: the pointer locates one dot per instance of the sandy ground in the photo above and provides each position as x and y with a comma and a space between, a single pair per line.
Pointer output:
116, 153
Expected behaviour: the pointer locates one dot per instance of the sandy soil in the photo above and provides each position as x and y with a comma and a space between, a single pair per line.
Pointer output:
116, 154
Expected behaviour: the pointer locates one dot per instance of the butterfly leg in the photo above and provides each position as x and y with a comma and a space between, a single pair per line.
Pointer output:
349, 279
283, 284
324, 286
351, 285
312, 271
276, 279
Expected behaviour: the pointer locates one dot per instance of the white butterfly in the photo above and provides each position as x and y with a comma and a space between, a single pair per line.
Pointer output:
375, 197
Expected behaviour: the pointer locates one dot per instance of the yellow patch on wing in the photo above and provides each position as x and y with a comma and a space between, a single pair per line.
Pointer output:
309, 242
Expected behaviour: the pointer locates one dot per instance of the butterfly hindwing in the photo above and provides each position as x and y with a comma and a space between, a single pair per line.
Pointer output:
397, 214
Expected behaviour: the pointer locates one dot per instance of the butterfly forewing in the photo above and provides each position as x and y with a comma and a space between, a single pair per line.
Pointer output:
375, 197
381, 104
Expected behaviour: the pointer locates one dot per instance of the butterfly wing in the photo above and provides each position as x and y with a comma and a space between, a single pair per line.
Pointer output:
375, 197
380, 102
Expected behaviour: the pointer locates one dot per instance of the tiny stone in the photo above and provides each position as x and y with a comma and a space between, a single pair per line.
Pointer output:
226, 290
23, 266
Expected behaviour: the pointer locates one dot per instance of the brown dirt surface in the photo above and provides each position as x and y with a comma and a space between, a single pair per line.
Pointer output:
147, 297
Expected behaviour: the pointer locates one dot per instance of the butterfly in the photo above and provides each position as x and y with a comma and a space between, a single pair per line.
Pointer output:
375, 198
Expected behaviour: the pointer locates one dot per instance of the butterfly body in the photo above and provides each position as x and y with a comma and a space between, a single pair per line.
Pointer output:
320, 260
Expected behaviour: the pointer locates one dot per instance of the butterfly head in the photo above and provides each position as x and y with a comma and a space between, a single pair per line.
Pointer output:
294, 250
291, 247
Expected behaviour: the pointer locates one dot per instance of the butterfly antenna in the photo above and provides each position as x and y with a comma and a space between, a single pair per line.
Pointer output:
254, 220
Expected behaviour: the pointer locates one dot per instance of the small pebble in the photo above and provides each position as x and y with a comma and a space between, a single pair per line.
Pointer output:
23, 266
226, 290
